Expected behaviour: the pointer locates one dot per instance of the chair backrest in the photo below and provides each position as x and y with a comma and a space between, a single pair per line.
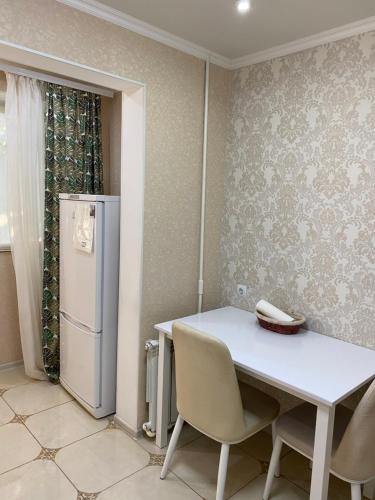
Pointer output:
355, 456
208, 395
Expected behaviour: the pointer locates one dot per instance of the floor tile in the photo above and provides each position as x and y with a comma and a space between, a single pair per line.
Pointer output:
11, 377
17, 446
295, 468
101, 460
6, 413
63, 424
146, 484
260, 446
188, 434
36, 397
281, 490
197, 465
35, 481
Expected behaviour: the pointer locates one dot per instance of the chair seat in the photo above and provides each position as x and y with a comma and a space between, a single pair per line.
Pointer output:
297, 427
259, 410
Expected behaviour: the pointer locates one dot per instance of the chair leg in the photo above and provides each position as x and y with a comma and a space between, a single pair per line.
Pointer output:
172, 446
274, 436
222, 475
275, 460
356, 491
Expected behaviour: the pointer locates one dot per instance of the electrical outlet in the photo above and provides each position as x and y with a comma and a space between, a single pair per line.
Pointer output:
242, 290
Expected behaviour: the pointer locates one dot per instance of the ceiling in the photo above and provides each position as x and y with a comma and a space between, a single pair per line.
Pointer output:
216, 25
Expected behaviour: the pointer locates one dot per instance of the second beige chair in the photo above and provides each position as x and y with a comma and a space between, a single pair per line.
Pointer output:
353, 450
210, 398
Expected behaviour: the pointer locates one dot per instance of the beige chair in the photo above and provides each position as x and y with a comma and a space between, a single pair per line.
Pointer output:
353, 450
210, 398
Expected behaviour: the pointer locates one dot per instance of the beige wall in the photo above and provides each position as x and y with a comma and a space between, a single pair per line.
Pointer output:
111, 143
174, 125
299, 220
115, 145
10, 345
106, 119
218, 123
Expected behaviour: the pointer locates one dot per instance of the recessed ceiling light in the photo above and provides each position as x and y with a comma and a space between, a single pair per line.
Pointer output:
243, 6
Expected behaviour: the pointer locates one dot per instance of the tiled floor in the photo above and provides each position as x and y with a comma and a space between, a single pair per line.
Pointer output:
52, 448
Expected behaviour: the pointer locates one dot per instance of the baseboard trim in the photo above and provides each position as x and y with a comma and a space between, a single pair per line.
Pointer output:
124, 426
11, 364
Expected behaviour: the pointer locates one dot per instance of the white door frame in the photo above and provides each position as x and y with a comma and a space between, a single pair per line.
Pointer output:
133, 120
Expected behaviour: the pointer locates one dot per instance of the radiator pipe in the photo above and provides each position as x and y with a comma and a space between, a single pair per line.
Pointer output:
152, 349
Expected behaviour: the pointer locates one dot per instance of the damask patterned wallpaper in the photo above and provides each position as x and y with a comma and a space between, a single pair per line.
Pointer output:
299, 224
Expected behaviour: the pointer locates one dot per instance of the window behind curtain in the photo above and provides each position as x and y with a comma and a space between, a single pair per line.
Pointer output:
4, 232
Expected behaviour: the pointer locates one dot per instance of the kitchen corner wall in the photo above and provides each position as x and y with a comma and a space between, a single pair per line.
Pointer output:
290, 174
299, 224
174, 132
217, 131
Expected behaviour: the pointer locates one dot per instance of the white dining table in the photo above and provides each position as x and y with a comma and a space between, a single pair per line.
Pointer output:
316, 368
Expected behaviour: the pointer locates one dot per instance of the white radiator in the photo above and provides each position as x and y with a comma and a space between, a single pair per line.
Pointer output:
152, 349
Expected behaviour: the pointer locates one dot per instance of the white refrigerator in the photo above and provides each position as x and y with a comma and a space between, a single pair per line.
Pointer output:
89, 270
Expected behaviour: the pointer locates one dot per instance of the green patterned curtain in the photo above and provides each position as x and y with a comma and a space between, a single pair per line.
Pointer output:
73, 165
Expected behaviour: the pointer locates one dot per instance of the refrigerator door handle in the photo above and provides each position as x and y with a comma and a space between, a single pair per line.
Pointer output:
79, 325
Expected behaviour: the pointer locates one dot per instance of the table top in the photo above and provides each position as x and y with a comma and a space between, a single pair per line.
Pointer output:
318, 368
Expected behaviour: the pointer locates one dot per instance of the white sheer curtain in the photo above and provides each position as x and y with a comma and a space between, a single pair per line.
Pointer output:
25, 179
4, 232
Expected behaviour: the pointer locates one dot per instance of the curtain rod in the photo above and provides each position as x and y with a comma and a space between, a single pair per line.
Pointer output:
54, 79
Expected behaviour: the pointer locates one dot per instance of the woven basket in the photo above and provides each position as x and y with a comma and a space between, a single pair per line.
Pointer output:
283, 327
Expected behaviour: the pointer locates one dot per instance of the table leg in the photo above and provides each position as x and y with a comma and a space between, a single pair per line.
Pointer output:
164, 384
322, 452
369, 490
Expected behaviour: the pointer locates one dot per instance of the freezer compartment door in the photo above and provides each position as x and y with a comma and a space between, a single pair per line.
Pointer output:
80, 359
81, 270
